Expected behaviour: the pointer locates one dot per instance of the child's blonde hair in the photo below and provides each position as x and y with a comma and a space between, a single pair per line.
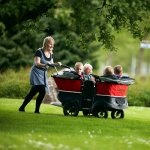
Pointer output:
87, 65
78, 64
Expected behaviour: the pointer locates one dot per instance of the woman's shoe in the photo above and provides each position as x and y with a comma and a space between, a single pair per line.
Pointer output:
21, 109
37, 112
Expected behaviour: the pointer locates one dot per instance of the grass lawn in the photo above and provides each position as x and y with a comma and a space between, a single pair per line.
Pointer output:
50, 130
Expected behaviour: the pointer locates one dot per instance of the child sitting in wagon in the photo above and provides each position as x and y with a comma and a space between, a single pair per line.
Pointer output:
88, 72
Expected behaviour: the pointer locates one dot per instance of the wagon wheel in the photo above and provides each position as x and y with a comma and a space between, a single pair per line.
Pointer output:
71, 110
101, 114
86, 112
117, 114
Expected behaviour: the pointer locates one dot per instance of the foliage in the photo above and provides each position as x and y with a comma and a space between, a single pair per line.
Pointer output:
16, 85
52, 130
138, 94
80, 28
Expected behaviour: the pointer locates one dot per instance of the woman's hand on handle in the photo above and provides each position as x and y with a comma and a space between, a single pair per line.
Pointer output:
59, 63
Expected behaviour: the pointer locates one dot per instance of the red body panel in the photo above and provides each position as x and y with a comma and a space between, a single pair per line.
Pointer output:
102, 88
68, 84
112, 89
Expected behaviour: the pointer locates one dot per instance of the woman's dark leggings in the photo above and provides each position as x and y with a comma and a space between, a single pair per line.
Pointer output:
34, 90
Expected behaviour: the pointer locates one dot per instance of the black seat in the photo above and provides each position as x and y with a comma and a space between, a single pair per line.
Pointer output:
88, 94
88, 90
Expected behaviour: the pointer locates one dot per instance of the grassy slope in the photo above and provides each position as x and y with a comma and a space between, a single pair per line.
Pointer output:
51, 130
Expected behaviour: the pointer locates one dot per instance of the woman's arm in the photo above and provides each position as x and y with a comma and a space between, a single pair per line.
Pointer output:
38, 63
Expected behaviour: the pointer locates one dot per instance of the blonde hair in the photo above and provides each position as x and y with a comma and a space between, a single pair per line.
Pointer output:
78, 64
108, 70
88, 66
47, 40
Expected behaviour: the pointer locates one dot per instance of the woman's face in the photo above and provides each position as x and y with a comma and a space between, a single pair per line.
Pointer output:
50, 46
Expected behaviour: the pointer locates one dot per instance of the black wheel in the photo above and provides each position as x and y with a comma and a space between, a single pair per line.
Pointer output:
117, 114
101, 113
71, 110
86, 112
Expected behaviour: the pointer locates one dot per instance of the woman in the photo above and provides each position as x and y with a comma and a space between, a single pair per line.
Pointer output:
38, 75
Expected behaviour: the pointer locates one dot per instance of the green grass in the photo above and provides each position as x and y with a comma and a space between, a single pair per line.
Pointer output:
50, 130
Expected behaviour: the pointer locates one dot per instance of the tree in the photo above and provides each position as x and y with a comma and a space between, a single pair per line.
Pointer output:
80, 27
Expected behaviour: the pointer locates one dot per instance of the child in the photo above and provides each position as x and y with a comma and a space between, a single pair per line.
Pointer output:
76, 73
88, 72
108, 71
118, 72
79, 69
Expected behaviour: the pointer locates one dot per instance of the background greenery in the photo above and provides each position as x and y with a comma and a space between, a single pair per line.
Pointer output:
83, 29
101, 32
16, 85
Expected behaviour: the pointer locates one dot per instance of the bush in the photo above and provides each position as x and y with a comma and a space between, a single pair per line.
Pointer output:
14, 84
138, 94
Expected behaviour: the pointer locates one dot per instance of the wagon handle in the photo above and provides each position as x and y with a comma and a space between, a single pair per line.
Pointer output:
53, 65
57, 65
65, 66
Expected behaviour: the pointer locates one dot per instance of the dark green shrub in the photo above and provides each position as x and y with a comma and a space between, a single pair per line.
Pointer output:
14, 84
139, 93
